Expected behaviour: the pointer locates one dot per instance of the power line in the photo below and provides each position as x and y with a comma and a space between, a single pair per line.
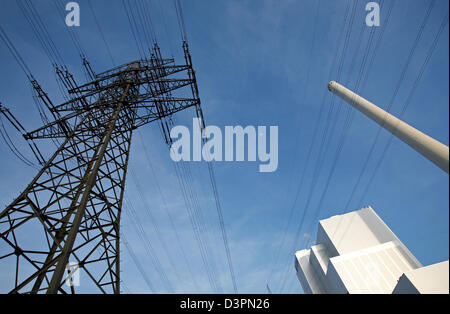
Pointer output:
133, 28
40, 30
154, 223
138, 264
188, 191
171, 220
10, 144
393, 98
180, 18
347, 123
386, 23
322, 145
408, 101
15, 53
91, 7
143, 19
213, 182
366, 75
197, 227
72, 34
169, 42
151, 252
291, 211
220, 216
346, 127
138, 14
405, 106
222, 225
148, 22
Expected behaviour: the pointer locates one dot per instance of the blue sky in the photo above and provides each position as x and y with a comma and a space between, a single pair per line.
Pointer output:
258, 63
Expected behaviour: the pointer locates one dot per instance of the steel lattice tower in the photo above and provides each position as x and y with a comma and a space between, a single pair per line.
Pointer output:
70, 212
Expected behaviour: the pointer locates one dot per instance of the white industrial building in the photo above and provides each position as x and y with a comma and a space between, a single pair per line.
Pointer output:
358, 253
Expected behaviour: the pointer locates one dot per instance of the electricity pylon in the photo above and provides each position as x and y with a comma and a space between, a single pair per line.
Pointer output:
70, 212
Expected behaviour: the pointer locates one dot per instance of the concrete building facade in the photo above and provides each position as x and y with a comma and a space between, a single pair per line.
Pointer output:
358, 253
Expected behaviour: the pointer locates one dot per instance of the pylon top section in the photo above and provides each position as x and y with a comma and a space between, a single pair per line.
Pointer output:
150, 97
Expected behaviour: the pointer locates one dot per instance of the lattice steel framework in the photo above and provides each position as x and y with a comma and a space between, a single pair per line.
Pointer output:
70, 212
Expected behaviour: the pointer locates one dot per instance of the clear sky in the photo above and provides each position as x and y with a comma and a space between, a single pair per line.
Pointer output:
262, 63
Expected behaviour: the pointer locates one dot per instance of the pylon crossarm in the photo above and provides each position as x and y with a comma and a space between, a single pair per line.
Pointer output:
77, 104
154, 69
170, 83
172, 108
60, 127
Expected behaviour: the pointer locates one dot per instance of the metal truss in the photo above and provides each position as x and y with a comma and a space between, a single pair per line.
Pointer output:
70, 212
